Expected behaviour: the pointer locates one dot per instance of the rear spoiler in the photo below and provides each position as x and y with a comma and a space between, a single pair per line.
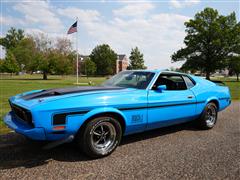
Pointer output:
220, 83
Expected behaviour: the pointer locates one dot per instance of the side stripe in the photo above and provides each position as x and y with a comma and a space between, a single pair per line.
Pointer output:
62, 116
159, 106
224, 98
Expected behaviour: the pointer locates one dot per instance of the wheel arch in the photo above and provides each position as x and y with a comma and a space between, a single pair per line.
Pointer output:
106, 112
215, 101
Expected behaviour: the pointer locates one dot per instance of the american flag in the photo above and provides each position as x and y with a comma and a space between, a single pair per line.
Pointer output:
73, 28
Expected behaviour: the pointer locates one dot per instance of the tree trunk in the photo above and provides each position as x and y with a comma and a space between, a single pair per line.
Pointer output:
208, 75
44, 76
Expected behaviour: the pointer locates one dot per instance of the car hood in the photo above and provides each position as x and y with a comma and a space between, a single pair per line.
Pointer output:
40, 97
70, 90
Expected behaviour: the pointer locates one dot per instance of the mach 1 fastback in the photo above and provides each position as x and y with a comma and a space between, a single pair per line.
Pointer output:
133, 101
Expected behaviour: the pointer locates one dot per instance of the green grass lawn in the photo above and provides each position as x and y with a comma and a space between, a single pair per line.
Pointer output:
234, 89
12, 85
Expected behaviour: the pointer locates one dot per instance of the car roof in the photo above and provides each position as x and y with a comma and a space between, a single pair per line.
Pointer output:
144, 70
159, 71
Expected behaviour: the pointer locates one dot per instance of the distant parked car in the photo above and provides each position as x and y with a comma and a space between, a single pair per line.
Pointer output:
37, 72
129, 102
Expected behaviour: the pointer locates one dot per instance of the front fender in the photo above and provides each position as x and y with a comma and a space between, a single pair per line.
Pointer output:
103, 110
78, 120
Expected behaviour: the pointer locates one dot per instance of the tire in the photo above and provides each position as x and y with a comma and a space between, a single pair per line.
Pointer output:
209, 117
100, 137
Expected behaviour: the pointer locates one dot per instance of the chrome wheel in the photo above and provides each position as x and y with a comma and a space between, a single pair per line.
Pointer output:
211, 116
103, 136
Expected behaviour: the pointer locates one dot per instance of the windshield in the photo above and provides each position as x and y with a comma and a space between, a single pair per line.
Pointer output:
130, 79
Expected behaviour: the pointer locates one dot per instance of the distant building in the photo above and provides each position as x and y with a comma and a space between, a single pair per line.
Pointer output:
83, 57
121, 63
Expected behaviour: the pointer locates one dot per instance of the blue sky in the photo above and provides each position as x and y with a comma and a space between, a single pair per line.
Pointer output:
156, 27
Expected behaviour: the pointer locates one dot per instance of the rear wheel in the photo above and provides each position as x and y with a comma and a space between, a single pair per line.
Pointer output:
100, 137
209, 117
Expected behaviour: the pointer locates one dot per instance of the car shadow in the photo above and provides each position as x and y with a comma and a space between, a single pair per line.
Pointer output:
17, 151
190, 126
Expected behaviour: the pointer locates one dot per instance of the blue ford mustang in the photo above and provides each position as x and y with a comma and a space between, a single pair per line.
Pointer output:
130, 102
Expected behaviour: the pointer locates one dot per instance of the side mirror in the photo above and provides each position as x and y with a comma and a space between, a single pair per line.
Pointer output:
161, 88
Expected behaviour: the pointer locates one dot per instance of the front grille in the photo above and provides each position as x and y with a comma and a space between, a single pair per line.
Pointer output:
22, 113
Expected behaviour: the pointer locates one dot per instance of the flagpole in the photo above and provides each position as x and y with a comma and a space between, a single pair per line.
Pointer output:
77, 49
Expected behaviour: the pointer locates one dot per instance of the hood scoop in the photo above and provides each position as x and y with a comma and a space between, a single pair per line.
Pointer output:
71, 90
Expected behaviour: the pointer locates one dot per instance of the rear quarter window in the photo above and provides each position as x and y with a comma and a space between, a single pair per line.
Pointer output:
189, 82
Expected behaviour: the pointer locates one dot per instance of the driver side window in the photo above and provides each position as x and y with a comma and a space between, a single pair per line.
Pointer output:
172, 82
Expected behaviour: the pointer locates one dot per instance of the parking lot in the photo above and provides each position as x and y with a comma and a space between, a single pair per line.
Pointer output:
178, 152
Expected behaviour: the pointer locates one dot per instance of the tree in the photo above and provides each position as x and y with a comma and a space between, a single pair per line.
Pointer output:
90, 67
104, 58
24, 52
10, 64
63, 55
46, 64
136, 59
12, 38
234, 65
174, 69
234, 61
44, 59
63, 45
37, 52
1, 65
61, 63
209, 41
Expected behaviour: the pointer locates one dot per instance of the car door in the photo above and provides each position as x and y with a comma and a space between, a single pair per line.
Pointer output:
174, 105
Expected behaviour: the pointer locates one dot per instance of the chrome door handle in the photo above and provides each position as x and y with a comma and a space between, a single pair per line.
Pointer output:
190, 97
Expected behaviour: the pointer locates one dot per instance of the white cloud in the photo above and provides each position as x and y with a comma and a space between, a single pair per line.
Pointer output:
11, 21
33, 31
83, 15
134, 9
183, 3
192, 2
158, 36
52, 36
175, 3
39, 13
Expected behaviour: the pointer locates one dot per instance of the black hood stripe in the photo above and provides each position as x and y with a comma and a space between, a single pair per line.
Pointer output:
63, 91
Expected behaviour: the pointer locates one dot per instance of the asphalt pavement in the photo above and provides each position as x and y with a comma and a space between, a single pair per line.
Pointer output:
177, 152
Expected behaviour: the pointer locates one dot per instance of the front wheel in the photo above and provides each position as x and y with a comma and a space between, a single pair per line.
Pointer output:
209, 117
100, 137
